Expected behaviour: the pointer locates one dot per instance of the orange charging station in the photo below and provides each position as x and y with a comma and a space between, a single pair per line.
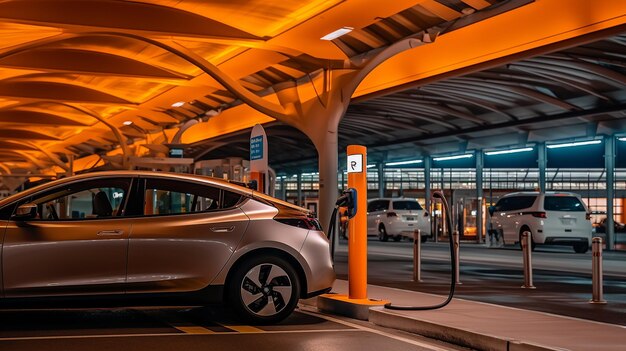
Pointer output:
357, 226
356, 304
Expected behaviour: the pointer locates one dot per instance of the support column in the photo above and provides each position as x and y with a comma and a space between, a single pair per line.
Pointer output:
427, 196
299, 187
381, 179
328, 166
542, 161
283, 189
609, 164
479, 195
427, 193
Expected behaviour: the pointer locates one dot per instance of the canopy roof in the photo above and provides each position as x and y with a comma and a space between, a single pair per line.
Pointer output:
101, 74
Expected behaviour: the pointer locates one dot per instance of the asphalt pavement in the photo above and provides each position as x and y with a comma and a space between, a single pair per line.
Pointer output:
495, 276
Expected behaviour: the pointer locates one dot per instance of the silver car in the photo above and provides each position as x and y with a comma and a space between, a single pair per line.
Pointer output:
158, 238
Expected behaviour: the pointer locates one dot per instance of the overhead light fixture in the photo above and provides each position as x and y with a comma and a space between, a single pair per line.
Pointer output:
511, 151
580, 143
127, 123
371, 166
336, 34
178, 104
448, 158
622, 139
401, 163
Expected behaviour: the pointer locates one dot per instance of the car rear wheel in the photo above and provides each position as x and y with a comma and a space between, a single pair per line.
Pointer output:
423, 239
382, 233
581, 247
397, 237
264, 289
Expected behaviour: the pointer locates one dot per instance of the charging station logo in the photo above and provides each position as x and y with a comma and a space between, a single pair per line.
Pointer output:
355, 163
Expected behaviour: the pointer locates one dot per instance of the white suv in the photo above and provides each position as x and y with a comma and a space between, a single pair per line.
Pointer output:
396, 218
555, 218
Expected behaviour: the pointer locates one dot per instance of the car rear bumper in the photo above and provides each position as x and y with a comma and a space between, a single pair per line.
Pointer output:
318, 267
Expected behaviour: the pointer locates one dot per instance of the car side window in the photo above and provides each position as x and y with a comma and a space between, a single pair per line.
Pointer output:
83, 200
513, 203
384, 205
165, 196
378, 205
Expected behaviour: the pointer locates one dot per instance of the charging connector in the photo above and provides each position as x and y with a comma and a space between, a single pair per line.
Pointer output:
347, 199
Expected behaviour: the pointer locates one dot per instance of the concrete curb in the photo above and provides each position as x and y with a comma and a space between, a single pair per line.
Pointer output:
453, 335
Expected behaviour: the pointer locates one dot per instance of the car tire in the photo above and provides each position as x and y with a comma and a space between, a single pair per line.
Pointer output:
532, 241
397, 238
382, 233
581, 247
263, 289
423, 239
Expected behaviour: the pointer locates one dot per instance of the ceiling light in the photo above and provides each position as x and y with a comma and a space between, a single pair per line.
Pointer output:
580, 143
400, 163
447, 158
622, 139
336, 34
178, 104
127, 123
511, 151
371, 166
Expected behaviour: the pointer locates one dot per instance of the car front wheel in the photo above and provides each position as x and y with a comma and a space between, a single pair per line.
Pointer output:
264, 289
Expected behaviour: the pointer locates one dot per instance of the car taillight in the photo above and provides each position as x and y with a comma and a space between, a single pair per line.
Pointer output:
539, 214
391, 214
303, 222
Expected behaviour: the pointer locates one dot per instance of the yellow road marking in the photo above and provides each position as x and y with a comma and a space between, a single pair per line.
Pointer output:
176, 322
243, 328
193, 330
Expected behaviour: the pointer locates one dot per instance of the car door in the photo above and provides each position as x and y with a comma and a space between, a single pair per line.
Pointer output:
76, 244
186, 234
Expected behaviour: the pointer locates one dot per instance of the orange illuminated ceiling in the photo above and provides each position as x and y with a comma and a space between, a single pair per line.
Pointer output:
85, 77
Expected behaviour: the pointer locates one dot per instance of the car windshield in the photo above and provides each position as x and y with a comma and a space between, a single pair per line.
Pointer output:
563, 203
406, 205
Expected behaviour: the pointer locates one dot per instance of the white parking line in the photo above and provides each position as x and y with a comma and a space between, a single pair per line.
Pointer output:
312, 312
61, 337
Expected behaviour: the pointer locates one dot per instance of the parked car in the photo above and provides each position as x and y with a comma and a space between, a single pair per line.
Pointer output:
173, 238
618, 227
554, 218
397, 218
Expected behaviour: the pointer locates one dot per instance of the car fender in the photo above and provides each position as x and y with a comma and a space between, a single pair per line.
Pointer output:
250, 247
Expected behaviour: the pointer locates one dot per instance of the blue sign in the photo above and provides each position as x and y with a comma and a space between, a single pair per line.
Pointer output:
256, 148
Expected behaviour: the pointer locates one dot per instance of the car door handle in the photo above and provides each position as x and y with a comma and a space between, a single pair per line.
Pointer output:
222, 229
111, 232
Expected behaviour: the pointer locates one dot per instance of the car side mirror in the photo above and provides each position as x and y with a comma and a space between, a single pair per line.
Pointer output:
426, 214
25, 212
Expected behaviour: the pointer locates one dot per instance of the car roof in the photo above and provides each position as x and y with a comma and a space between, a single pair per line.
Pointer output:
393, 198
535, 193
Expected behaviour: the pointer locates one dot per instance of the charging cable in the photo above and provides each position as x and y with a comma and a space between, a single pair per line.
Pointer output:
437, 194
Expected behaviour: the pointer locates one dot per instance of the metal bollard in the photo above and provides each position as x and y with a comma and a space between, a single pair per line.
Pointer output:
457, 243
417, 256
596, 271
526, 242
